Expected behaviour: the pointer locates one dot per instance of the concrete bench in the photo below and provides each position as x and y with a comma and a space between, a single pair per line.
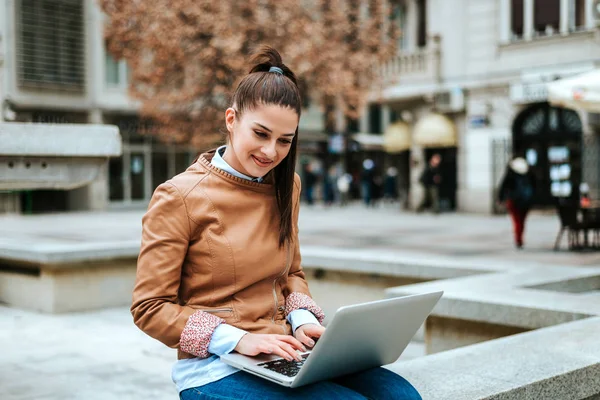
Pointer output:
559, 362
489, 306
83, 261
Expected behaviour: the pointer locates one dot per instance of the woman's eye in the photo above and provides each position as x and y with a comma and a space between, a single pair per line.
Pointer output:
260, 134
285, 141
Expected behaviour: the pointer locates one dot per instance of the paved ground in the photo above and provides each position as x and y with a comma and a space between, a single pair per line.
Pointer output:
457, 237
101, 355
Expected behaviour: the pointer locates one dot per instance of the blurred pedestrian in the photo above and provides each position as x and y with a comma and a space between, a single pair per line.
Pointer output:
310, 180
343, 185
390, 185
329, 183
431, 179
368, 181
517, 191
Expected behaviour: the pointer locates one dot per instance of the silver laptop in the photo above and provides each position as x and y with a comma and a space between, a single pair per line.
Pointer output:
358, 337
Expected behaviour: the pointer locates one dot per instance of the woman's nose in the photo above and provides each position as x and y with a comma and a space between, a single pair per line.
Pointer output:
269, 150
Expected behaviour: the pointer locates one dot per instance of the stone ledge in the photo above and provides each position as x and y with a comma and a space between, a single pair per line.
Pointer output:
507, 298
560, 362
59, 140
372, 262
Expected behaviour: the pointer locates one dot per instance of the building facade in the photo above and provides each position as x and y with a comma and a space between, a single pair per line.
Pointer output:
468, 83
56, 70
473, 73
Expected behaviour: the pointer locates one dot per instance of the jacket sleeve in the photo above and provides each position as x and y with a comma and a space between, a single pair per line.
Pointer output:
297, 295
166, 230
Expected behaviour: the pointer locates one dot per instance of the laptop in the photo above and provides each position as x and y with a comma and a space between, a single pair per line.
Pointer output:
359, 337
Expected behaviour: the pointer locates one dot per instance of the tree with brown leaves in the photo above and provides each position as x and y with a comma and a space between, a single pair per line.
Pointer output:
186, 56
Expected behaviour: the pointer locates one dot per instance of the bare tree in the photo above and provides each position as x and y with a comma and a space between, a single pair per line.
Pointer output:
186, 55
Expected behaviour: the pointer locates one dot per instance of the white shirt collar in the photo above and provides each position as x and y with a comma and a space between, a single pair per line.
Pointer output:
220, 163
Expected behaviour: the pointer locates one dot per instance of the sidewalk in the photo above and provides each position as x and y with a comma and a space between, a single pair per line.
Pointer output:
102, 355
458, 237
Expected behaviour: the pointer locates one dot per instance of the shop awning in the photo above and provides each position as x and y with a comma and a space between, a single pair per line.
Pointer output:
369, 141
396, 138
578, 92
435, 130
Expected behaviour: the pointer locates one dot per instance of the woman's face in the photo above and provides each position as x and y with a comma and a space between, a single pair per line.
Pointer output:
259, 139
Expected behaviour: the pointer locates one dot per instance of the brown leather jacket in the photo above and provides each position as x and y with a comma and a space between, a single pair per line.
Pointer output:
210, 255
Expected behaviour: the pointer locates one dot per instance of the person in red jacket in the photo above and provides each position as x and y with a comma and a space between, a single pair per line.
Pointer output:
517, 191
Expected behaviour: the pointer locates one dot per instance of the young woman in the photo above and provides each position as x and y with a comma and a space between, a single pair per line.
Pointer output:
219, 267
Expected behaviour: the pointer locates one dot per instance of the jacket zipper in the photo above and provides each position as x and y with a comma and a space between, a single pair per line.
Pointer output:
287, 267
214, 310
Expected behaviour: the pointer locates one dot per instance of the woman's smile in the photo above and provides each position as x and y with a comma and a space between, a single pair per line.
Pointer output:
262, 162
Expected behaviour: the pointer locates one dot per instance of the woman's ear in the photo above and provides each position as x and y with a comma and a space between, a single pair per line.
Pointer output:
230, 119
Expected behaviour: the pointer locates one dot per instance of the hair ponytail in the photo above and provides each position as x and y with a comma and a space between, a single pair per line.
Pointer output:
263, 87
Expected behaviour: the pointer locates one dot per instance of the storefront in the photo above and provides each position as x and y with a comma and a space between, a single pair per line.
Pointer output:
436, 134
397, 143
550, 138
145, 163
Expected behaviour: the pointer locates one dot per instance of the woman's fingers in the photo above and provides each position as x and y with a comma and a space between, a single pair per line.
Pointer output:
314, 331
281, 345
297, 344
301, 336
280, 349
290, 351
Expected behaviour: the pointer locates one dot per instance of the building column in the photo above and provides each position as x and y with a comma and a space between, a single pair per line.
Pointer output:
411, 25
363, 122
590, 22
95, 116
564, 16
504, 31
95, 195
385, 117
528, 19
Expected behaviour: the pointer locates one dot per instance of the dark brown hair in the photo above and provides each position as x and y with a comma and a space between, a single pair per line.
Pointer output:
261, 87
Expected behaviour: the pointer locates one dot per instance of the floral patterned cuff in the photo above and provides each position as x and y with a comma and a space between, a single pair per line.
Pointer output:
197, 333
298, 301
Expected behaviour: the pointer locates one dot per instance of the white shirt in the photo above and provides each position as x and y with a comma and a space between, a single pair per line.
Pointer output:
195, 372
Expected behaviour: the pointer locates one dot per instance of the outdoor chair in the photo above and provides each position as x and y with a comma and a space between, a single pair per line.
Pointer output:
592, 222
569, 222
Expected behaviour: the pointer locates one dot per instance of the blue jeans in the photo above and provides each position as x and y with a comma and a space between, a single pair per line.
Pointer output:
376, 383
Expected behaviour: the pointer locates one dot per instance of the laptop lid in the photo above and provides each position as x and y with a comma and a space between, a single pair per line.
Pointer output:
366, 336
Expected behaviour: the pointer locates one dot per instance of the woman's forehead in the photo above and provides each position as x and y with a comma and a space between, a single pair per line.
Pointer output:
279, 119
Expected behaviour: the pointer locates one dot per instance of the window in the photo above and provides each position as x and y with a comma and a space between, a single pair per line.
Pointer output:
577, 15
352, 125
374, 118
546, 17
112, 70
516, 19
399, 18
50, 40
422, 23
116, 71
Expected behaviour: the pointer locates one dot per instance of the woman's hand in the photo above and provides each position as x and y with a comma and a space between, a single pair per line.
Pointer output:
307, 332
252, 344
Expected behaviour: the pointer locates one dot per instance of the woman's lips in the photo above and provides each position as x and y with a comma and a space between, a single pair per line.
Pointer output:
261, 162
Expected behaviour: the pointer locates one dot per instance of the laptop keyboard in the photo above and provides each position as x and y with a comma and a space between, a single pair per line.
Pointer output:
285, 367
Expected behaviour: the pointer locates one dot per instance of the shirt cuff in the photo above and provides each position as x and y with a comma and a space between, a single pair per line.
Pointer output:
224, 339
301, 317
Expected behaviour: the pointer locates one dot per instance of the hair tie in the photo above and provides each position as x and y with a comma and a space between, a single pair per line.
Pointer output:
276, 69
